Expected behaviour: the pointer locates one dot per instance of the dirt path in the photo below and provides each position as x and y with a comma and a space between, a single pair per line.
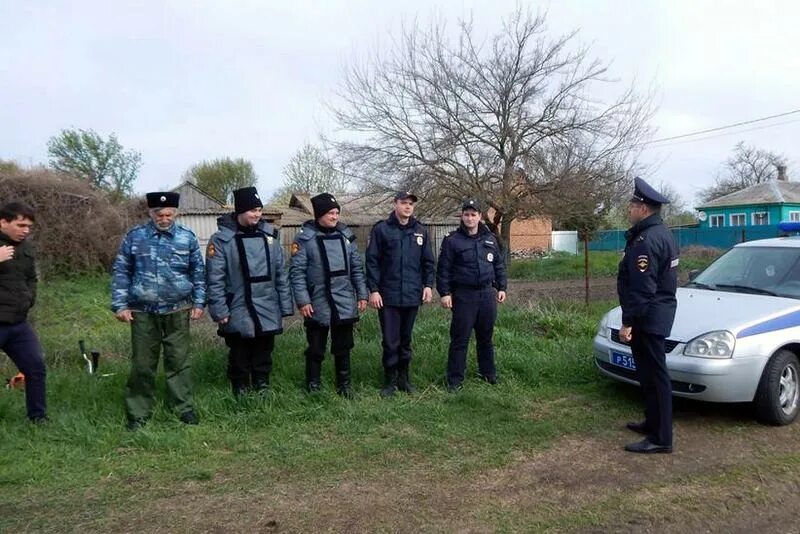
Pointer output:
523, 291
728, 474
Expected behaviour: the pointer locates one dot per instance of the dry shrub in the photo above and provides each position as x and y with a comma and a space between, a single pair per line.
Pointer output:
701, 253
78, 230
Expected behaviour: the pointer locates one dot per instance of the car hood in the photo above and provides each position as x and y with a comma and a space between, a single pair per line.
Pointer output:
701, 310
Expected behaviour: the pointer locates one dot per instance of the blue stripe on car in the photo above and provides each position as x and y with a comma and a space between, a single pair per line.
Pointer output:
789, 320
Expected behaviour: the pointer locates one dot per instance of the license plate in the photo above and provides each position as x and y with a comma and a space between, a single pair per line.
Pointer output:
623, 360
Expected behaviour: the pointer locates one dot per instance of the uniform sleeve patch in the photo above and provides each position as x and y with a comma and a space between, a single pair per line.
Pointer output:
295, 249
642, 262
211, 250
674, 263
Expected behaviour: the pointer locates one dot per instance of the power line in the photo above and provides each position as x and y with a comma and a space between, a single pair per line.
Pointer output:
727, 133
719, 128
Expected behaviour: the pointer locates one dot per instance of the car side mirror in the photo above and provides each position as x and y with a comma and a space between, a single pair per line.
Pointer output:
693, 274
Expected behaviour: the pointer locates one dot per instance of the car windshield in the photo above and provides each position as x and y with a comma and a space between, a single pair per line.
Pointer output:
756, 270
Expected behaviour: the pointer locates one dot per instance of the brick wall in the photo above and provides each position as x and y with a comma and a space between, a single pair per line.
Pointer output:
531, 233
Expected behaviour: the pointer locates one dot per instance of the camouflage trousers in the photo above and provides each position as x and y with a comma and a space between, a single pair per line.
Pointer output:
149, 332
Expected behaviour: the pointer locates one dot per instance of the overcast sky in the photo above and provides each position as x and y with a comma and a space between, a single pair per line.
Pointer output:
183, 81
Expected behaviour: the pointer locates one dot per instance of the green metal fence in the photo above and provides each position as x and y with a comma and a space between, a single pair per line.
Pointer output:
685, 237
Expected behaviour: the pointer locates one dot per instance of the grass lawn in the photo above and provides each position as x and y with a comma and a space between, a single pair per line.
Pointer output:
563, 266
284, 456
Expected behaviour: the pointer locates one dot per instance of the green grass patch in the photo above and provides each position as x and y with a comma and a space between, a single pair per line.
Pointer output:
566, 266
543, 354
84, 471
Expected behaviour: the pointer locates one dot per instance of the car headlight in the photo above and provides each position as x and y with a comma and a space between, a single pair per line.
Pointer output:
719, 344
602, 328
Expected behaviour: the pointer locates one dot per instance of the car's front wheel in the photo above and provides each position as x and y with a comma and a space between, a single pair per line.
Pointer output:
779, 389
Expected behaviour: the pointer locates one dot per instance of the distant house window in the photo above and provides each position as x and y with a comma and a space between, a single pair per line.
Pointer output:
760, 218
794, 216
718, 221
737, 219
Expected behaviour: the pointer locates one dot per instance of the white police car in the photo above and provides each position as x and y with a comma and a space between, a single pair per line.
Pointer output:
736, 336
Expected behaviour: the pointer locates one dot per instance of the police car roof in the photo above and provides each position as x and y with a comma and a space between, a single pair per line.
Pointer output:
788, 242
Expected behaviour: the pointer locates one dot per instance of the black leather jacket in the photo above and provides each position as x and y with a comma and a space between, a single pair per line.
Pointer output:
17, 282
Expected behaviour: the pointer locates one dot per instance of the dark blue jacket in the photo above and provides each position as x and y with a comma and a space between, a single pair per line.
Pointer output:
648, 277
470, 261
399, 261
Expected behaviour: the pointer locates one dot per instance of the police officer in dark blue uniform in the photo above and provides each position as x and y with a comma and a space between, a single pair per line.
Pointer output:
646, 284
400, 276
470, 269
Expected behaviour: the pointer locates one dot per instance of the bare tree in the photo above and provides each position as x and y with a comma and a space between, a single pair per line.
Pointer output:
513, 120
674, 213
747, 166
310, 170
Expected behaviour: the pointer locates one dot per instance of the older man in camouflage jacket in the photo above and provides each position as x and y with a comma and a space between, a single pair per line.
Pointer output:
158, 283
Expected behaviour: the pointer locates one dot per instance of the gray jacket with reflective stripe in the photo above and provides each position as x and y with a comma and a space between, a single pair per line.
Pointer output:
326, 271
247, 279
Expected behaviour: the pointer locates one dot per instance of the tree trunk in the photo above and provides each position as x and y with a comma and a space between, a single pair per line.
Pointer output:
505, 238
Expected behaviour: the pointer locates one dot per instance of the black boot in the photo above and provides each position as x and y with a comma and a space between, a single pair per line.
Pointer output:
313, 371
342, 363
239, 390
261, 383
403, 381
390, 382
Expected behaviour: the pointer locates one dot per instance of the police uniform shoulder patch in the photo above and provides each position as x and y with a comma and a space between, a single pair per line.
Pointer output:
642, 262
295, 248
210, 250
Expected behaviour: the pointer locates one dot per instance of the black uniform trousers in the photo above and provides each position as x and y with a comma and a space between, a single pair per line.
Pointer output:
397, 322
249, 356
473, 309
317, 338
651, 370
19, 341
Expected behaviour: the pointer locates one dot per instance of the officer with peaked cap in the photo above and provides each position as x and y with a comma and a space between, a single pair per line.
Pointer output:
400, 276
248, 291
158, 284
646, 284
471, 280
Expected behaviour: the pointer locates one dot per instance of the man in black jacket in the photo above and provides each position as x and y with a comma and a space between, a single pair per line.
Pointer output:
400, 276
470, 269
646, 284
17, 296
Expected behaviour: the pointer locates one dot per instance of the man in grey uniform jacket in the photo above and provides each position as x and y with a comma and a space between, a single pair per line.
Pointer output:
248, 290
327, 279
